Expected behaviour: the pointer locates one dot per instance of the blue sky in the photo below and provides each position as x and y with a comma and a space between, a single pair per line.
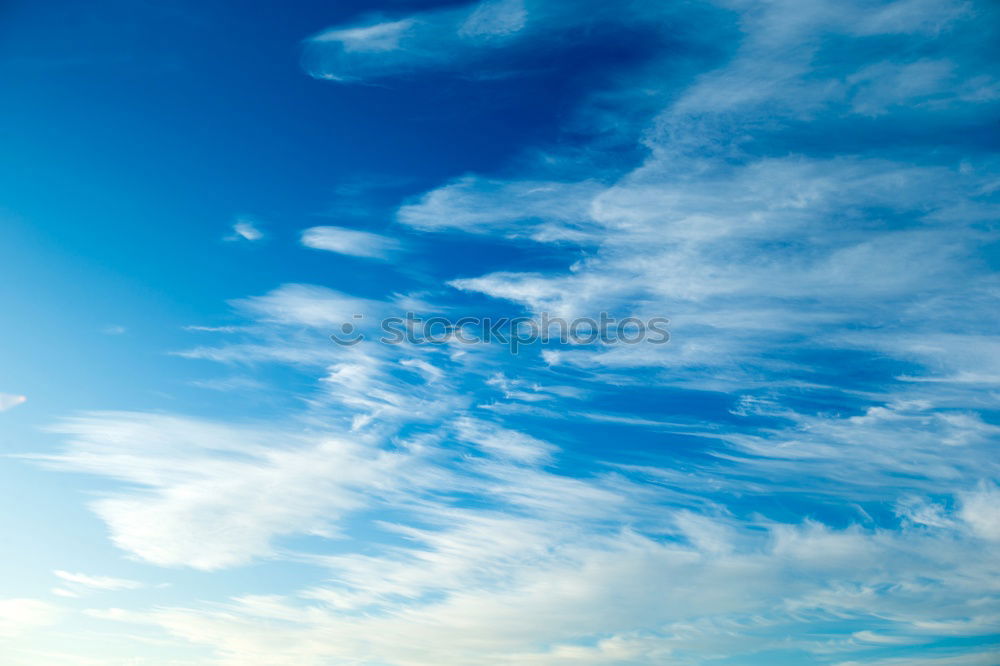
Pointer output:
195, 196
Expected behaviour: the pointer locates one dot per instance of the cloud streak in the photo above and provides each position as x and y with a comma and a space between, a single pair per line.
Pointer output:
350, 242
379, 47
245, 230
9, 401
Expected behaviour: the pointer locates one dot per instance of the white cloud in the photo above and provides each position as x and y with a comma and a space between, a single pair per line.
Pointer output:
218, 495
8, 400
880, 86
374, 38
306, 305
832, 312
485, 36
494, 18
349, 241
981, 511
484, 589
84, 581
18, 616
504, 443
377, 47
245, 229
541, 210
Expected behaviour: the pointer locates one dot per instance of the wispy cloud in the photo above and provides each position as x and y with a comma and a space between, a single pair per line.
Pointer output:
18, 615
350, 241
76, 584
806, 473
379, 47
9, 400
201, 478
246, 230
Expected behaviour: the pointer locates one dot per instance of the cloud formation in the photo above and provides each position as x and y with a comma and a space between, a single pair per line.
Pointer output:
378, 47
9, 400
75, 584
19, 615
349, 241
245, 230
807, 473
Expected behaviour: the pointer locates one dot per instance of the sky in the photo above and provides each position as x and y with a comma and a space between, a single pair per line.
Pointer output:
211, 456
